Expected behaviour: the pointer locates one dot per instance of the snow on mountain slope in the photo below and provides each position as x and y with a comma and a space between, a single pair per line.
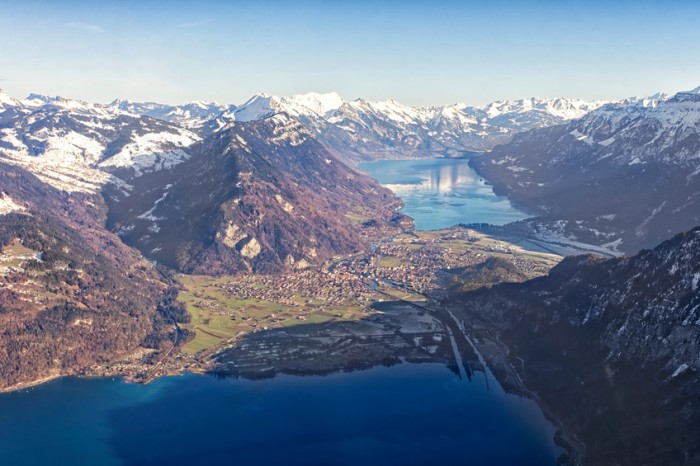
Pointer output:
63, 159
361, 130
256, 108
262, 105
8, 205
657, 129
666, 131
636, 164
365, 130
138, 108
650, 101
69, 143
562, 109
149, 152
191, 114
319, 104
6, 100
390, 110
370, 130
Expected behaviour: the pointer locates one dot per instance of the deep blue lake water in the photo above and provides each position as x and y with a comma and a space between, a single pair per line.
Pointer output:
439, 193
407, 414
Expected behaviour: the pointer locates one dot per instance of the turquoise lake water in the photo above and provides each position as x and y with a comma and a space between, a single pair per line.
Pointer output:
439, 193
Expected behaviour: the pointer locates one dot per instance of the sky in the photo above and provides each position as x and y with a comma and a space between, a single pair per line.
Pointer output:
418, 53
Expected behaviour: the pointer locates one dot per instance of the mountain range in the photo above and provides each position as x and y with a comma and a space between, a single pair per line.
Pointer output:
99, 203
355, 130
81, 183
625, 175
141, 154
364, 130
634, 160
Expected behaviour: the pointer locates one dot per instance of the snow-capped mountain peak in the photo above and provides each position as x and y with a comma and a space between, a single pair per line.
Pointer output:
191, 114
136, 108
69, 143
199, 104
564, 109
39, 99
6, 100
257, 107
311, 104
319, 104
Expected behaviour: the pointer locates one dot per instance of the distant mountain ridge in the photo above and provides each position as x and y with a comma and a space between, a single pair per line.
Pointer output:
359, 130
364, 130
191, 114
72, 144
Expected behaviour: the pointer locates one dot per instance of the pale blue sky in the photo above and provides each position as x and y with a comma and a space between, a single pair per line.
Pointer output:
419, 53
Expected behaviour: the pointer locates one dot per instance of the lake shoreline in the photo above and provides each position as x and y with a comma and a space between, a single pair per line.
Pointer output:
34, 383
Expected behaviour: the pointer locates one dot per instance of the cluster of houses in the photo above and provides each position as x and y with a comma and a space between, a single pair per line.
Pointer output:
309, 286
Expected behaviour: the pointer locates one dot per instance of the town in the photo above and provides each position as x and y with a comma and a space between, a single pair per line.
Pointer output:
406, 267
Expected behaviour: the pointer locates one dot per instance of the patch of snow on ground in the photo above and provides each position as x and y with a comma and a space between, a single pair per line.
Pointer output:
682, 368
148, 215
582, 137
65, 175
569, 246
7, 205
70, 147
153, 152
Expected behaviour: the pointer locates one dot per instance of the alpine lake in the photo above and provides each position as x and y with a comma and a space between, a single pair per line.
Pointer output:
408, 414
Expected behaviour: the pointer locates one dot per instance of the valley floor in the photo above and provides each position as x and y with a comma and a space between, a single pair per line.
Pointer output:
373, 307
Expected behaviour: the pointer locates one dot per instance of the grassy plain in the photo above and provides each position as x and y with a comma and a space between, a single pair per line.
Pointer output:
218, 316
